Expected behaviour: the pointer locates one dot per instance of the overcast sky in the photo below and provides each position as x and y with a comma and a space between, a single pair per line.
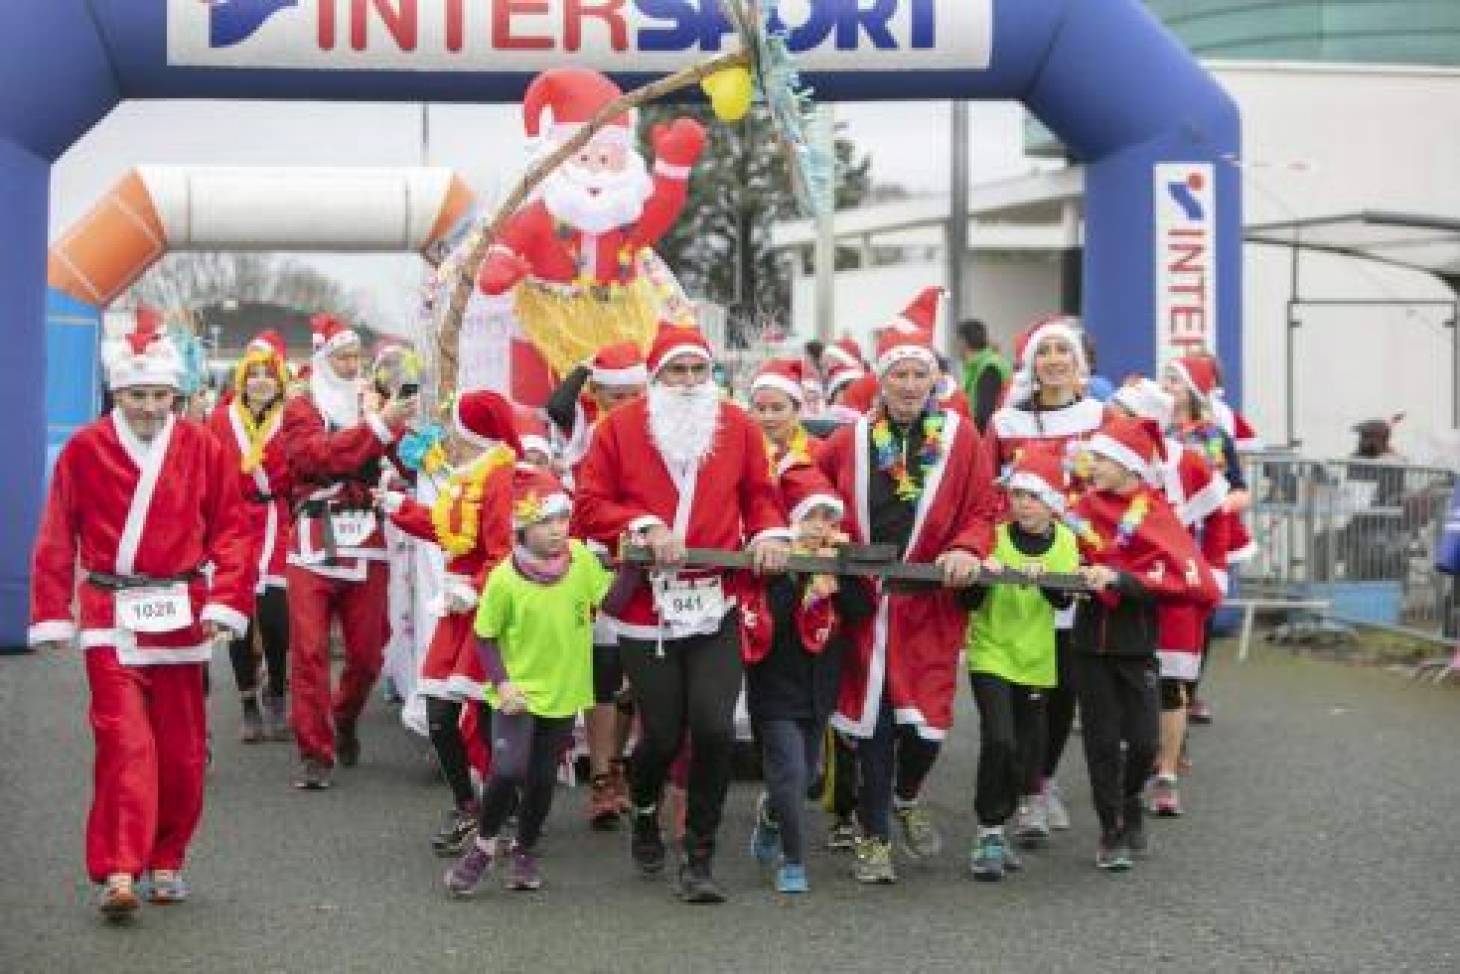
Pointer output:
908, 142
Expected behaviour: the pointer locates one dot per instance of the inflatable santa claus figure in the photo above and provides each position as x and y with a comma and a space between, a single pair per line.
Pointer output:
578, 259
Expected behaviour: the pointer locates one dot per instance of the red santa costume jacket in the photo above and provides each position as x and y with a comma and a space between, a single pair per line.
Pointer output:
328, 467
160, 510
266, 487
625, 484
452, 670
909, 647
1195, 492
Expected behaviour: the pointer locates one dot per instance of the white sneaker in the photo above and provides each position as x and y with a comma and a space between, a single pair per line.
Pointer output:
1031, 821
1056, 815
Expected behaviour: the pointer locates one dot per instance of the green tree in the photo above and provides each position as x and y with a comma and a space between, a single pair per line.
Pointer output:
720, 249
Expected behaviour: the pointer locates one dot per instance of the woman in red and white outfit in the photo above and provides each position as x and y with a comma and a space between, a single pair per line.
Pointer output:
247, 427
1045, 404
471, 520
140, 501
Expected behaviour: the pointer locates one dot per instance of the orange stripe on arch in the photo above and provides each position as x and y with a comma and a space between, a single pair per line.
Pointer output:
459, 199
104, 252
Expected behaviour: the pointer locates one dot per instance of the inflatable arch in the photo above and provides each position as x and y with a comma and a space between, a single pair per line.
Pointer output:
1158, 135
153, 210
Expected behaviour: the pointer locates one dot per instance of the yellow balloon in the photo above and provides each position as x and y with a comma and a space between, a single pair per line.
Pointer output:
730, 93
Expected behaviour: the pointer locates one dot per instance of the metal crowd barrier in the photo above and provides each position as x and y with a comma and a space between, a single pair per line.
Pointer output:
1360, 534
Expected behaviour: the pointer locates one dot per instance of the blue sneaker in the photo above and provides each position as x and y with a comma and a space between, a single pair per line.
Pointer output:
791, 878
765, 838
987, 862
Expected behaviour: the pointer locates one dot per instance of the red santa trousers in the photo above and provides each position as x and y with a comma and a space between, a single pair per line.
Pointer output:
364, 623
151, 729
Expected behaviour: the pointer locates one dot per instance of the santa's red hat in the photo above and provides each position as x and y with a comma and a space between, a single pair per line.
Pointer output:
620, 364
1040, 471
674, 341
268, 343
786, 375
900, 346
1145, 399
532, 432
861, 393
842, 375
804, 488
844, 353
331, 335
921, 316
536, 496
483, 418
1136, 444
1197, 372
144, 358
561, 101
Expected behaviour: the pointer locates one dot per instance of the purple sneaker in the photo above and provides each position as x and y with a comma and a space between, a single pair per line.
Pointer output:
465, 878
524, 874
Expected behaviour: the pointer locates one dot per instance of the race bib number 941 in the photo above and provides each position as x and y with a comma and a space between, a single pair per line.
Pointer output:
687, 603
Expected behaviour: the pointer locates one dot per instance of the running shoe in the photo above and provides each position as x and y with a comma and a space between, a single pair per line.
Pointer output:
986, 861
313, 775
873, 862
842, 836
276, 722
1198, 712
347, 744
603, 808
1031, 822
165, 886
765, 838
524, 873
118, 898
920, 836
459, 828
465, 878
791, 879
1055, 812
1165, 800
697, 883
1113, 855
252, 729
647, 843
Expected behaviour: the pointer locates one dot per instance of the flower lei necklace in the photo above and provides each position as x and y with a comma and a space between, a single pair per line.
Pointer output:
891, 453
464, 493
1125, 529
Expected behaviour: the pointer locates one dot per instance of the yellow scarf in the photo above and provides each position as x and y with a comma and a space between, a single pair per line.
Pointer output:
463, 495
797, 451
258, 433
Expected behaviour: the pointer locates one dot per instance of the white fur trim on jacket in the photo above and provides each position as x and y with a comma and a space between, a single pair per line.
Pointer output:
51, 631
231, 619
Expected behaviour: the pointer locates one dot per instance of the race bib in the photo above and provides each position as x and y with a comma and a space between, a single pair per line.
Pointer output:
352, 528
157, 609
690, 603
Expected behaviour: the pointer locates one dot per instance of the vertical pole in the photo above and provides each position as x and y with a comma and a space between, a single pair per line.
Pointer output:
1072, 270
825, 134
1291, 336
957, 235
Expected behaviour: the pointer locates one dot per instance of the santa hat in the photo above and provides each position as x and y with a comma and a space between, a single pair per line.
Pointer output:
674, 341
145, 358
921, 316
1197, 372
561, 101
1026, 344
843, 353
900, 346
536, 496
861, 394
1136, 444
483, 418
331, 335
841, 375
1041, 472
1145, 399
620, 364
532, 432
267, 343
785, 375
804, 488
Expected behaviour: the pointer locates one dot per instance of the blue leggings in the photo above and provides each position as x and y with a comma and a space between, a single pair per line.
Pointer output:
893, 758
790, 752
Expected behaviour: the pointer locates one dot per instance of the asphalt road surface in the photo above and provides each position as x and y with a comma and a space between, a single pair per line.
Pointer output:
1322, 834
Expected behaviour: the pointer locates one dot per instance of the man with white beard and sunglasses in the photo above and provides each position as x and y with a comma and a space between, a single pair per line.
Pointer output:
680, 468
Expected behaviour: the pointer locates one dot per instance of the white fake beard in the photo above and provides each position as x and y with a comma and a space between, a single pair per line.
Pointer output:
337, 399
683, 421
619, 200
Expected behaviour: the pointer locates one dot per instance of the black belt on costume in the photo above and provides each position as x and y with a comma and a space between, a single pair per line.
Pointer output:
116, 583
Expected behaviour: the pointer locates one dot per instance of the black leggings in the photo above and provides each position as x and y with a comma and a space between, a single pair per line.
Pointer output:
1059, 703
1119, 704
525, 754
271, 622
1011, 727
443, 720
690, 684
893, 761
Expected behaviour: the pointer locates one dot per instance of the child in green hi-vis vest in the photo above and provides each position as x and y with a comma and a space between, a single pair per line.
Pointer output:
1011, 660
